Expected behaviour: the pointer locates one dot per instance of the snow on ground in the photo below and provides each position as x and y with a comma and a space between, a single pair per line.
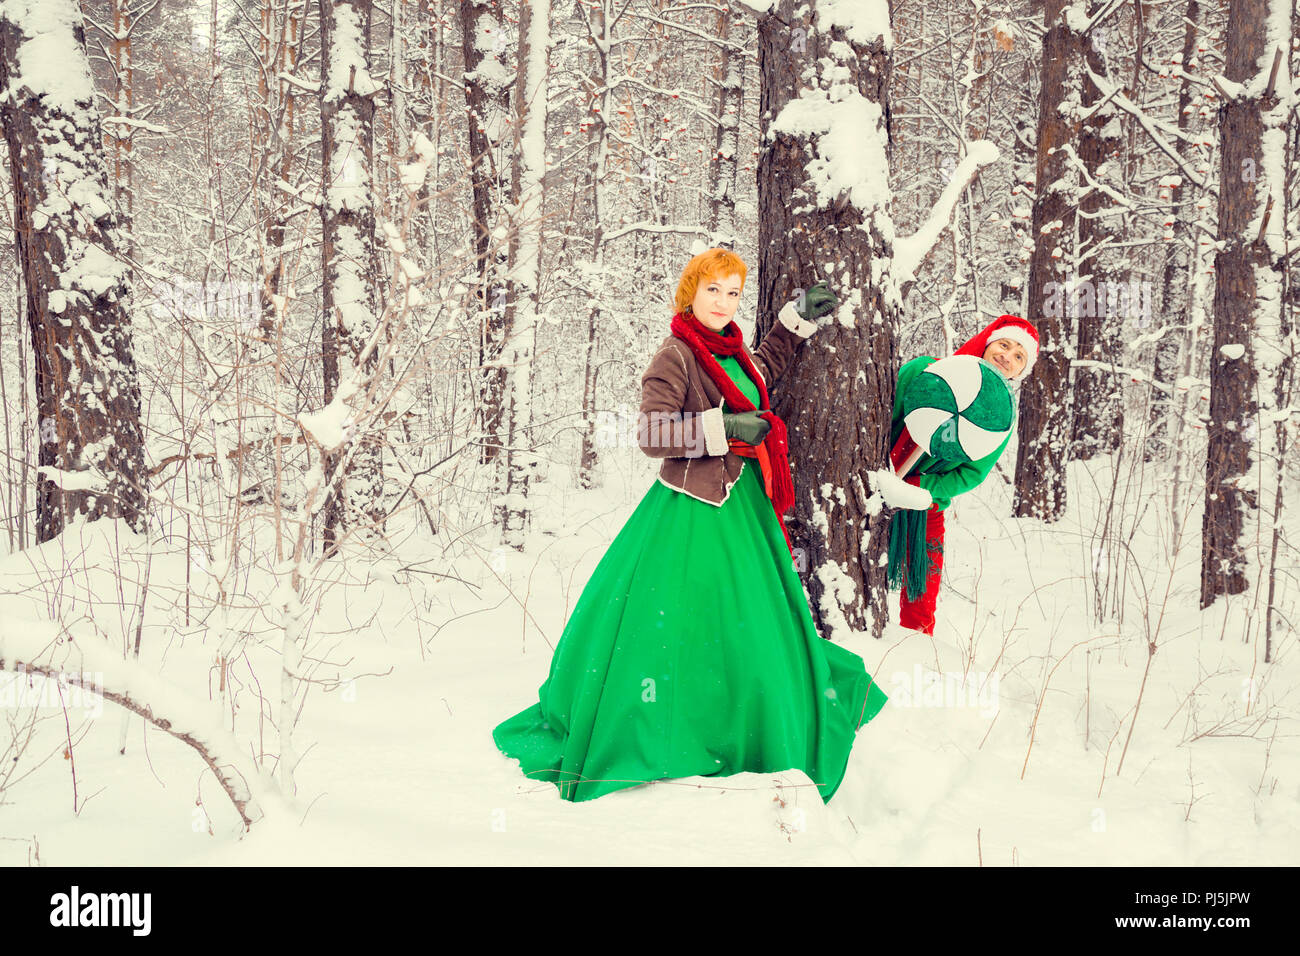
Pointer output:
400, 768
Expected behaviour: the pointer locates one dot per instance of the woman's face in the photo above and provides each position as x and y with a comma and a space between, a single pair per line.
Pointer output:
1006, 355
716, 300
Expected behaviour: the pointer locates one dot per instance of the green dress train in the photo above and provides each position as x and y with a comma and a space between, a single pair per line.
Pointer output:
692, 651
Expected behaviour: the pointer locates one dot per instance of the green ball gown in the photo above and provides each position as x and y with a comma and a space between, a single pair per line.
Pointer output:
692, 651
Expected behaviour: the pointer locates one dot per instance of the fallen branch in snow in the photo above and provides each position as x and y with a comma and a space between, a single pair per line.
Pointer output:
130, 685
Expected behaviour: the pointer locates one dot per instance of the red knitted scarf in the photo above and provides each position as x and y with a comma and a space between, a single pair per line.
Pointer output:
704, 342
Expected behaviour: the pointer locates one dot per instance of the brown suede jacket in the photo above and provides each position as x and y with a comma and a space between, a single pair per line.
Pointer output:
681, 410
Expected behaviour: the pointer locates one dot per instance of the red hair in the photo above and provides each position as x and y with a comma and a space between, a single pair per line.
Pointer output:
708, 265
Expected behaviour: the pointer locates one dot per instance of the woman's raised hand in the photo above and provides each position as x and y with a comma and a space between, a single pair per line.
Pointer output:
817, 302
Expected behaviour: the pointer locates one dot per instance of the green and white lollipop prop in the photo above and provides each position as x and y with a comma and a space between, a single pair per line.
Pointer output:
958, 409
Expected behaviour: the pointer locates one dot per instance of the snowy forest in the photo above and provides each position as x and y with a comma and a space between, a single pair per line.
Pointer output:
323, 326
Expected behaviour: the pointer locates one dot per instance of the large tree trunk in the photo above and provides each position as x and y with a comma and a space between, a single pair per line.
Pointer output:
835, 397
1247, 359
78, 289
349, 252
1045, 397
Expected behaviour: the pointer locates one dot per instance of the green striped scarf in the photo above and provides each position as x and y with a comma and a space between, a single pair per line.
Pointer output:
909, 556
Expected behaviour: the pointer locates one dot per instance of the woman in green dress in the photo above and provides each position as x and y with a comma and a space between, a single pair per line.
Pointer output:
692, 651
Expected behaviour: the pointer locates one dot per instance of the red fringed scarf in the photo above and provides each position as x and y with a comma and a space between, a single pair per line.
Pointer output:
773, 453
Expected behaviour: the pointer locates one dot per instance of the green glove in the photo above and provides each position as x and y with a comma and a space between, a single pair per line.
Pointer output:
746, 426
817, 301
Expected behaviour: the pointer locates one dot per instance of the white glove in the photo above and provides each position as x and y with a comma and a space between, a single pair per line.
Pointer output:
898, 493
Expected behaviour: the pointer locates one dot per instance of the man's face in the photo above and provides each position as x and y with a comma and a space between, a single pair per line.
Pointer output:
1006, 355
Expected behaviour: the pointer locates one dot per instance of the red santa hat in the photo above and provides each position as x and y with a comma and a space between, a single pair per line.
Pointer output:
1006, 327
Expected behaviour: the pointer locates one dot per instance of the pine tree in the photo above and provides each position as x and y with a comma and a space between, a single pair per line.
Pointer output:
78, 288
